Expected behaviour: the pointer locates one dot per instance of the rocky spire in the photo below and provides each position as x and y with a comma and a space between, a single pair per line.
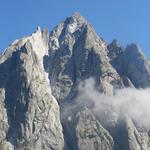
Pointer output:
134, 50
114, 49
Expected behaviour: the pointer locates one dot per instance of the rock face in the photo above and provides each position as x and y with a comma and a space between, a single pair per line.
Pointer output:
90, 133
77, 55
30, 114
128, 137
38, 71
134, 65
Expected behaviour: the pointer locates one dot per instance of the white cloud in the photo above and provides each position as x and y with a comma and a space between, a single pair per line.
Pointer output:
132, 102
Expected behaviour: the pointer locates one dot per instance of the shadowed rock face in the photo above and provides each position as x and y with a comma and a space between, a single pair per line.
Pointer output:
134, 65
114, 49
38, 70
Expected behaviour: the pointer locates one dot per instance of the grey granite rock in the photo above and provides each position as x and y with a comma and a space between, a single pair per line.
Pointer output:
30, 114
84, 131
127, 136
90, 133
77, 53
134, 65
114, 49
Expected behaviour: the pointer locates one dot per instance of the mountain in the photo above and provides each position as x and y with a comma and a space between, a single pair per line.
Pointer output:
40, 80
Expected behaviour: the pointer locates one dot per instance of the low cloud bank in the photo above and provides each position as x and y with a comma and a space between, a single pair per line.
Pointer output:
133, 102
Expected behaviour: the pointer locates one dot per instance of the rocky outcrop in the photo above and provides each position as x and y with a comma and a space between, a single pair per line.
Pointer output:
84, 131
90, 133
30, 113
127, 136
133, 64
114, 49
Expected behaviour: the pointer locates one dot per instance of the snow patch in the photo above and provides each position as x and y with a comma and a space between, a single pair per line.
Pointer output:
71, 28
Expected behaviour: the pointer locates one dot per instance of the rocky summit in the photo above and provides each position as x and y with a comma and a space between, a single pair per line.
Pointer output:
40, 79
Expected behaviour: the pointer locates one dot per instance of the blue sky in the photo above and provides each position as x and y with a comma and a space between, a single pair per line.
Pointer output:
126, 20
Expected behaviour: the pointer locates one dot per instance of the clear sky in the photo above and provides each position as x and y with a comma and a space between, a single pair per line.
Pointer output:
126, 20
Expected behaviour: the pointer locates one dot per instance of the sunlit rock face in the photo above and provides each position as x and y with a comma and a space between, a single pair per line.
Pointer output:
29, 113
44, 81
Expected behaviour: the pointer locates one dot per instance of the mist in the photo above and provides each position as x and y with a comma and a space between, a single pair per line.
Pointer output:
129, 101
